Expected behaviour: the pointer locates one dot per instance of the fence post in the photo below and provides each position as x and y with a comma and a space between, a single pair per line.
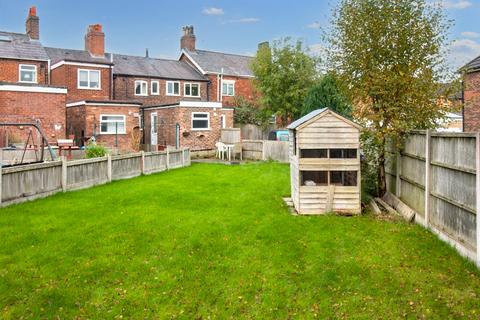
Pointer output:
398, 171
427, 177
477, 185
142, 169
109, 167
168, 159
64, 173
263, 151
1, 183
183, 158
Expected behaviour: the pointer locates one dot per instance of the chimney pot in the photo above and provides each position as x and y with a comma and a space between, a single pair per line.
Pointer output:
188, 39
32, 24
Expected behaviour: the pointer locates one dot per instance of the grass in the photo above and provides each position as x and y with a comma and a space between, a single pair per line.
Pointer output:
215, 241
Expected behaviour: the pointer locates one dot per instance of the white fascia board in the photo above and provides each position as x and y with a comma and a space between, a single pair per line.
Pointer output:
109, 104
82, 64
200, 104
17, 88
193, 61
231, 75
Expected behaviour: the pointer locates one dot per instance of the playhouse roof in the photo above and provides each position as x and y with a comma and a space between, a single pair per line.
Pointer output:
295, 124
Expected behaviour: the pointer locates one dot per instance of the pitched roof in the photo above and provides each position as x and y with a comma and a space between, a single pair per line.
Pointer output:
59, 54
305, 118
20, 46
472, 65
214, 62
152, 67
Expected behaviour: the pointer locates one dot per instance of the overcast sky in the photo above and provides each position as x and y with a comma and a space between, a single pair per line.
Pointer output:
230, 26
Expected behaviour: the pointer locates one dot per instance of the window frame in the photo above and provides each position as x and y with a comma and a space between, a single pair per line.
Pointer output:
208, 121
135, 88
173, 84
190, 84
157, 93
88, 79
124, 131
223, 121
35, 71
228, 82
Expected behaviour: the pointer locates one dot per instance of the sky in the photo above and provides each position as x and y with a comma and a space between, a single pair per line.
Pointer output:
228, 26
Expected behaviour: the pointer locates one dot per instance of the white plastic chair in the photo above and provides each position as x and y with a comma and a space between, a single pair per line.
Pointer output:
221, 150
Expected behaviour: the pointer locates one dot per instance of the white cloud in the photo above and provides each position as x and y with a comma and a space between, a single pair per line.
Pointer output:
317, 49
213, 11
244, 20
463, 51
314, 25
470, 34
456, 4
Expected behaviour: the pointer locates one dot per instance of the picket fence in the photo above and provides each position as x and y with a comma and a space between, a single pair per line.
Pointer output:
23, 183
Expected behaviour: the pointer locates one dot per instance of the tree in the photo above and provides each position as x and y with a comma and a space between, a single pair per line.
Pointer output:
327, 93
390, 56
248, 113
283, 75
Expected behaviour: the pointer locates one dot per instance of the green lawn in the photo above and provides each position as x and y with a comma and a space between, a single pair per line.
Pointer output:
215, 241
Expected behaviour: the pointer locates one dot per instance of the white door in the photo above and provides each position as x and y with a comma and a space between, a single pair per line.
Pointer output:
153, 129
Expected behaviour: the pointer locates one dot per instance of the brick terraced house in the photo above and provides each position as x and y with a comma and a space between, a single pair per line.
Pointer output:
471, 96
26, 95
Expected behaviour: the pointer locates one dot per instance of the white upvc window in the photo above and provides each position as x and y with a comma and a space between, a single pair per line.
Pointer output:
228, 88
141, 88
28, 73
89, 79
155, 88
191, 90
112, 124
200, 121
173, 88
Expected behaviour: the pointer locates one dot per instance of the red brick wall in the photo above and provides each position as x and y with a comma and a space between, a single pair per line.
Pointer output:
67, 76
193, 139
472, 102
10, 72
48, 108
87, 119
124, 89
243, 88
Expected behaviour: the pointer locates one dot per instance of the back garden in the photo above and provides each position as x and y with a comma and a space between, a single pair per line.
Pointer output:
216, 241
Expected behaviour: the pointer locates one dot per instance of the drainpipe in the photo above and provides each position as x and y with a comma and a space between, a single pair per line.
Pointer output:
462, 99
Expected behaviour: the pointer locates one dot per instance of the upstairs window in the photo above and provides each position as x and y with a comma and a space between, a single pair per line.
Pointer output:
343, 153
112, 124
192, 90
154, 88
200, 121
228, 88
173, 88
88, 79
28, 73
314, 153
141, 88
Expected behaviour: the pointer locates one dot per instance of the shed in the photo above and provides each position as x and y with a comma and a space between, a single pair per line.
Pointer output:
325, 163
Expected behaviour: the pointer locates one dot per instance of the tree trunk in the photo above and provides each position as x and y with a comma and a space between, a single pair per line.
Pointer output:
382, 182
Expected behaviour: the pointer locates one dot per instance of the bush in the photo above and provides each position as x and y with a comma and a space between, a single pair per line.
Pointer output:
95, 151
247, 113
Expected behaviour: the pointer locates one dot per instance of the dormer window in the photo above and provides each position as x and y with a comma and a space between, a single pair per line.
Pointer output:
28, 73
88, 79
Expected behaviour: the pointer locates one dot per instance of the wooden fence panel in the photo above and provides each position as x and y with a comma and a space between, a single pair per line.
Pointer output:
175, 159
86, 173
252, 149
230, 136
155, 162
126, 166
276, 150
30, 181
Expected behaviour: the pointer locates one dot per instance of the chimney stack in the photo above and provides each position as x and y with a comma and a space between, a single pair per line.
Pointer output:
95, 40
188, 39
32, 25
264, 44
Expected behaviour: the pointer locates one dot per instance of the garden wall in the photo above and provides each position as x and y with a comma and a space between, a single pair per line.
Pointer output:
438, 175
22, 183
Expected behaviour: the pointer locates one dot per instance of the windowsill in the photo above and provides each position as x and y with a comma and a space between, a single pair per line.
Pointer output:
172, 95
227, 95
206, 129
85, 88
141, 95
31, 82
192, 96
155, 94
109, 134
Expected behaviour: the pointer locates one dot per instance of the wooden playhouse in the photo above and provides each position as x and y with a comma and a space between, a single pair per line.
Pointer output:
325, 163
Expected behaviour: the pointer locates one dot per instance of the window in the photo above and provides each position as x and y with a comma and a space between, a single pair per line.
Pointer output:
314, 153
173, 88
343, 153
154, 88
223, 121
343, 178
191, 90
111, 124
314, 178
141, 88
88, 79
28, 73
228, 88
200, 121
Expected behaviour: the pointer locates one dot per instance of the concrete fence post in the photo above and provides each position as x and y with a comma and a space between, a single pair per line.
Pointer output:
427, 177
109, 167
183, 158
1, 183
142, 164
64, 173
168, 159
264, 157
477, 186
398, 172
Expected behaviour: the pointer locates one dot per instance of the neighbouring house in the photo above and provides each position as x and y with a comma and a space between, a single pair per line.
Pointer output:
26, 95
471, 96
230, 75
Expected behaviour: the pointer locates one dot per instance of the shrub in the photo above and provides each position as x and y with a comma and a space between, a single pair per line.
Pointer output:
95, 151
